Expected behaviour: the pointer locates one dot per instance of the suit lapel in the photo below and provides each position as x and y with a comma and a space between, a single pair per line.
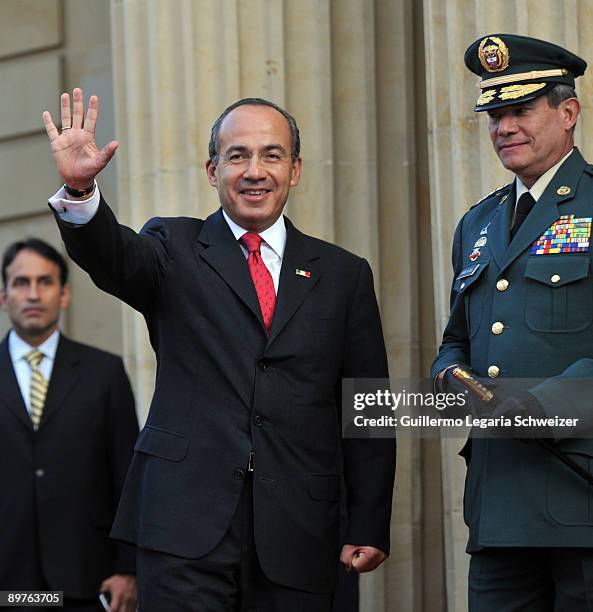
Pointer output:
545, 211
64, 375
10, 392
224, 255
294, 287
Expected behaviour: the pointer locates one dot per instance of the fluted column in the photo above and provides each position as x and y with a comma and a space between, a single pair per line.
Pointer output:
308, 90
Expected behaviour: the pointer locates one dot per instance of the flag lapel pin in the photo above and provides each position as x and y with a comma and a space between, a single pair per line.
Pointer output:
304, 273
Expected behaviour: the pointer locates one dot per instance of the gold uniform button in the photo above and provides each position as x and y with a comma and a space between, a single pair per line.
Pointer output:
497, 328
502, 284
493, 371
555, 278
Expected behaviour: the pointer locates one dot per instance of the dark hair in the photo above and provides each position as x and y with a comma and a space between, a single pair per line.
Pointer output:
37, 246
295, 137
559, 93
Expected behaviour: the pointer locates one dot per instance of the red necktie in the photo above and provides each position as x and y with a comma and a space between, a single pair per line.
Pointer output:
262, 279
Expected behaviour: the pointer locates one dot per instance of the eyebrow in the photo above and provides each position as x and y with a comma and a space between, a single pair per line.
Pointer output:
43, 277
235, 149
273, 147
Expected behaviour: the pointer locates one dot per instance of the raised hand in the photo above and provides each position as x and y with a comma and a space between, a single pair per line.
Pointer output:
74, 150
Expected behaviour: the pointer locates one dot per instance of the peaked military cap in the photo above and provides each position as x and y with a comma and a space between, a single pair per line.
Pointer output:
516, 69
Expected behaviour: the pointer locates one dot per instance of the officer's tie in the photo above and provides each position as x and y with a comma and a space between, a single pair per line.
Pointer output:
38, 390
262, 279
524, 206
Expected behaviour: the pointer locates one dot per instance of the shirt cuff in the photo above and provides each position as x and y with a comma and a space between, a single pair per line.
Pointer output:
78, 212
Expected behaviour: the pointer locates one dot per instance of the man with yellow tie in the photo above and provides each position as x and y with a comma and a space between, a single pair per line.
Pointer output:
67, 430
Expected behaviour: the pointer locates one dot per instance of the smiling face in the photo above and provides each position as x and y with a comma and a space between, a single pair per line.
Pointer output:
34, 296
254, 171
531, 137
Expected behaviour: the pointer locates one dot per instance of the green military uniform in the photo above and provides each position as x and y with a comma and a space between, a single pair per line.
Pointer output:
523, 308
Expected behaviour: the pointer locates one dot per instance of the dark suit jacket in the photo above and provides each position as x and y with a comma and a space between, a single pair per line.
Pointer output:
62, 483
223, 387
518, 494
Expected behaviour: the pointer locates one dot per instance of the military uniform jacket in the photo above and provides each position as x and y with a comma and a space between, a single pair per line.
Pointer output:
517, 493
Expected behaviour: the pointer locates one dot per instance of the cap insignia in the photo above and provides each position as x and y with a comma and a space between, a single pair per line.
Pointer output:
493, 54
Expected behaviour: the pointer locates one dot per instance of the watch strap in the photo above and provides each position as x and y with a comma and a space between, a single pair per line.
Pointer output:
79, 193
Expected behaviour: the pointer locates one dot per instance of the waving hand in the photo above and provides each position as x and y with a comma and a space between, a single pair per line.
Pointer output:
74, 150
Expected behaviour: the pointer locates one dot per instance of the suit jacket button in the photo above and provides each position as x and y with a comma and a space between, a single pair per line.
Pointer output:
258, 420
264, 365
239, 474
40, 473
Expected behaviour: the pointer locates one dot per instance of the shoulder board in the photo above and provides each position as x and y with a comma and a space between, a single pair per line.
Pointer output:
492, 193
589, 169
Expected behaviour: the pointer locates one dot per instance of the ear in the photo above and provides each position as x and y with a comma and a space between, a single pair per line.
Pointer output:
296, 172
3, 300
65, 297
211, 172
570, 110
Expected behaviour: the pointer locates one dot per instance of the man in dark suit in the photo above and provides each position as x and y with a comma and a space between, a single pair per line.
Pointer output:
233, 496
67, 430
522, 308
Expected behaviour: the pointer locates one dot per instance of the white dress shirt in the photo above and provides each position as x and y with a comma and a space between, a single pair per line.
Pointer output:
18, 348
81, 212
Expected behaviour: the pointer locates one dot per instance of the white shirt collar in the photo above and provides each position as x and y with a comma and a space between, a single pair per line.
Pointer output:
542, 182
274, 236
18, 348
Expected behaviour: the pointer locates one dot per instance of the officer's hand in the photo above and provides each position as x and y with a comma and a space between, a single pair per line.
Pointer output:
361, 558
74, 150
122, 588
446, 382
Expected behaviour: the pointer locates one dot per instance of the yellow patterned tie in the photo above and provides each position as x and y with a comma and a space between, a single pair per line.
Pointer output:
38, 387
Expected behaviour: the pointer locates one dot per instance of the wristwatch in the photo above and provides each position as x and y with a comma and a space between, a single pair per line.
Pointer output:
79, 193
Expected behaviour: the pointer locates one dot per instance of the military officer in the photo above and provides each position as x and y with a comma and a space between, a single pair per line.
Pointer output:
522, 307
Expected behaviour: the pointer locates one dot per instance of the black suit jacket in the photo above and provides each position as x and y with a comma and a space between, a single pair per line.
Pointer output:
223, 387
61, 484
